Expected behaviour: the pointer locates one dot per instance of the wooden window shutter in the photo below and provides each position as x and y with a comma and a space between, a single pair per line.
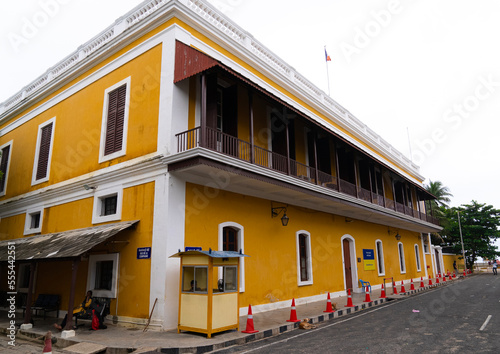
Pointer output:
115, 121
3, 166
44, 151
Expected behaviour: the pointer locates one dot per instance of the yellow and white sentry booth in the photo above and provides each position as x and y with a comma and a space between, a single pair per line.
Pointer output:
209, 290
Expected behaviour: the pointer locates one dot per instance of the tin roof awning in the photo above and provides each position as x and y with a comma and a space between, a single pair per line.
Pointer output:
65, 244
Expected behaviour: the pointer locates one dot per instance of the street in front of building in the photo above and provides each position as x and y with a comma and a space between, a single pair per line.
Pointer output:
463, 317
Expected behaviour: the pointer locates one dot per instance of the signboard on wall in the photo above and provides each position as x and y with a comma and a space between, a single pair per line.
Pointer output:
368, 259
144, 253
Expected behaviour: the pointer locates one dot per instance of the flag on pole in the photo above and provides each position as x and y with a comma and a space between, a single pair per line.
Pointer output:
327, 57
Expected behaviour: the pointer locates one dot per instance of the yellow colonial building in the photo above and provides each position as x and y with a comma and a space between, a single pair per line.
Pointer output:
174, 127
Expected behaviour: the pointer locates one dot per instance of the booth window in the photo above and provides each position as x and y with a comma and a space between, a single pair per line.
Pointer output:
229, 281
194, 279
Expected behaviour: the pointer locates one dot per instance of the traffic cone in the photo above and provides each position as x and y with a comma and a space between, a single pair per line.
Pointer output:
402, 287
444, 278
412, 287
382, 293
250, 328
47, 349
394, 288
430, 281
437, 279
329, 308
293, 313
454, 275
367, 295
422, 282
464, 273
349, 299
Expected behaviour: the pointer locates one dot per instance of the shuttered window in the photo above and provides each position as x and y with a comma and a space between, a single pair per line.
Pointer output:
115, 120
4, 163
44, 152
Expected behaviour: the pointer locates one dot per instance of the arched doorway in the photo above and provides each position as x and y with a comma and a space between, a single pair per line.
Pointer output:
349, 263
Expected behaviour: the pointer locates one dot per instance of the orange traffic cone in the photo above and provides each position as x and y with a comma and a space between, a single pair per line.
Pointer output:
382, 293
412, 287
422, 282
444, 278
47, 349
293, 313
394, 288
402, 287
437, 279
329, 308
250, 328
349, 299
430, 281
367, 295
464, 273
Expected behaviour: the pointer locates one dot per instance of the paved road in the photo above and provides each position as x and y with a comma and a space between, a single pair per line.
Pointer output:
451, 319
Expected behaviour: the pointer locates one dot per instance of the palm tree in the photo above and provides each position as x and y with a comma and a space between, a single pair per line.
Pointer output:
441, 193
438, 205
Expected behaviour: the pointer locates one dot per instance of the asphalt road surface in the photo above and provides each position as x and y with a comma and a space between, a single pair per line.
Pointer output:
463, 317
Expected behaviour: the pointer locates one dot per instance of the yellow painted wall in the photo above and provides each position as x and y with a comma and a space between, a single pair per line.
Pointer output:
430, 268
12, 227
78, 122
448, 262
55, 278
272, 246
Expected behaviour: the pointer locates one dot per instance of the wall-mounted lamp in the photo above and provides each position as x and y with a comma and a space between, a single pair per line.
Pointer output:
277, 211
87, 187
398, 236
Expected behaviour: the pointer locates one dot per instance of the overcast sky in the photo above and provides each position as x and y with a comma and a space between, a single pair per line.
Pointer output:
424, 72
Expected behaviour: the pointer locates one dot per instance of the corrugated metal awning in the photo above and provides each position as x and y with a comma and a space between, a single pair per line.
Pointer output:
65, 244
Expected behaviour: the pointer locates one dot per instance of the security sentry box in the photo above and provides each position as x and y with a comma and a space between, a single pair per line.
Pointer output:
208, 290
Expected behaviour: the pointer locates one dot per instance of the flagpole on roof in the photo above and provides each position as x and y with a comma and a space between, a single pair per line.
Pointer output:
327, 59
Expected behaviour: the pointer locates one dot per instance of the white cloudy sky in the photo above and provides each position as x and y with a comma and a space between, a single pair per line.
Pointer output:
424, 67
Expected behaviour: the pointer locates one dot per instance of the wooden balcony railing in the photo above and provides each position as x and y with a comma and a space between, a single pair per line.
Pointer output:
229, 145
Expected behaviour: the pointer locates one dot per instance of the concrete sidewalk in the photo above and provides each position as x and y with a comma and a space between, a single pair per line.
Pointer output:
119, 339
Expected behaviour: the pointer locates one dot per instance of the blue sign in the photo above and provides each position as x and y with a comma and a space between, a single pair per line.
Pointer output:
144, 253
186, 249
368, 254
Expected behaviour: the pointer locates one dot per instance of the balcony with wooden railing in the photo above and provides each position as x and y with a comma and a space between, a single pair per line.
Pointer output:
229, 145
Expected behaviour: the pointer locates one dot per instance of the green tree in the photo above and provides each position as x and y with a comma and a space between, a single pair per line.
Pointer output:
480, 228
437, 207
